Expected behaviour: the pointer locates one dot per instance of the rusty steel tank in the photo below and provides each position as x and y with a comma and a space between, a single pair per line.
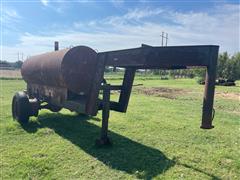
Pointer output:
72, 69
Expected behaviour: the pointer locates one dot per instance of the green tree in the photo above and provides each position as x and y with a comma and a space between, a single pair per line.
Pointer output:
233, 71
18, 64
228, 68
222, 66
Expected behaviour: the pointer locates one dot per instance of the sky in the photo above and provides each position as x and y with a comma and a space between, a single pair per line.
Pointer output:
30, 27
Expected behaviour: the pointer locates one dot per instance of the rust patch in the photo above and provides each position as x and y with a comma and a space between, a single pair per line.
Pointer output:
170, 93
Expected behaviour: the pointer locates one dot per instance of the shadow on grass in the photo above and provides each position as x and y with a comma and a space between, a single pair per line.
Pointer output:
125, 154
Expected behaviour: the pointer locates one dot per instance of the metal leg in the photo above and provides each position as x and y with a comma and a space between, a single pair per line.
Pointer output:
104, 140
126, 88
207, 113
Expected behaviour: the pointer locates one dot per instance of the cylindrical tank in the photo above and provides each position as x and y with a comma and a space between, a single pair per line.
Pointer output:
70, 68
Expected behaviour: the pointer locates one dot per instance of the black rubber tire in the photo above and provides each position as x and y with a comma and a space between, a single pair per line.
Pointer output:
21, 107
54, 108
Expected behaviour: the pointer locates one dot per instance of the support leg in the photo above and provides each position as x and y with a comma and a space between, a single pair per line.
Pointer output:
126, 88
104, 140
209, 93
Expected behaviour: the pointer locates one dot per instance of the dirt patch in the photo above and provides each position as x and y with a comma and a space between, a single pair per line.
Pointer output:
10, 73
234, 112
170, 93
228, 95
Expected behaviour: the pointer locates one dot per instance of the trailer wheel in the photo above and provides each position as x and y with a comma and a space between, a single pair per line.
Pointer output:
54, 108
21, 107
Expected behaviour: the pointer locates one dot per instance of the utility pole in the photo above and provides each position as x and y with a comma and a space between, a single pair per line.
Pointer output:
20, 56
164, 37
166, 40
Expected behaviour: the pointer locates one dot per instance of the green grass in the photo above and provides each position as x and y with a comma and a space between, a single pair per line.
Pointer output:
157, 138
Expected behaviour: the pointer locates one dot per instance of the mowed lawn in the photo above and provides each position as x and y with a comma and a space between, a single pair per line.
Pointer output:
158, 138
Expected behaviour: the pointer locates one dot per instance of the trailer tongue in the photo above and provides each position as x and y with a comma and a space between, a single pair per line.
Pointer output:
72, 79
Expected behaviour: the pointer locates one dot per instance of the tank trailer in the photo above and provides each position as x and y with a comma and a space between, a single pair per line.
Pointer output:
73, 78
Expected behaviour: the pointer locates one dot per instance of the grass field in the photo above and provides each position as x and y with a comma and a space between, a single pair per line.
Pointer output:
159, 137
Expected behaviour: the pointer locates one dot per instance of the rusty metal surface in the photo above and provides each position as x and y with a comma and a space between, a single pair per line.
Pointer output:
126, 89
93, 103
68, 68
208, 99
78, 68
72, 78
170, 57
81, 70
55, 95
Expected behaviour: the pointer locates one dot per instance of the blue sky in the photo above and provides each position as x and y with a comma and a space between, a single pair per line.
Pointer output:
31, 26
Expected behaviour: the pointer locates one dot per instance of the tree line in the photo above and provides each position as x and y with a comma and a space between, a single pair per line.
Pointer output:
10, 65
228, 69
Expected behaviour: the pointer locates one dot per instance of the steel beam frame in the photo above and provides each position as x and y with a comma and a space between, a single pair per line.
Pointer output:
148, 57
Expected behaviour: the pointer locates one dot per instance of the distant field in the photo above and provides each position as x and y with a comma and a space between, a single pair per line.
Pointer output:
10, 74
158, 138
